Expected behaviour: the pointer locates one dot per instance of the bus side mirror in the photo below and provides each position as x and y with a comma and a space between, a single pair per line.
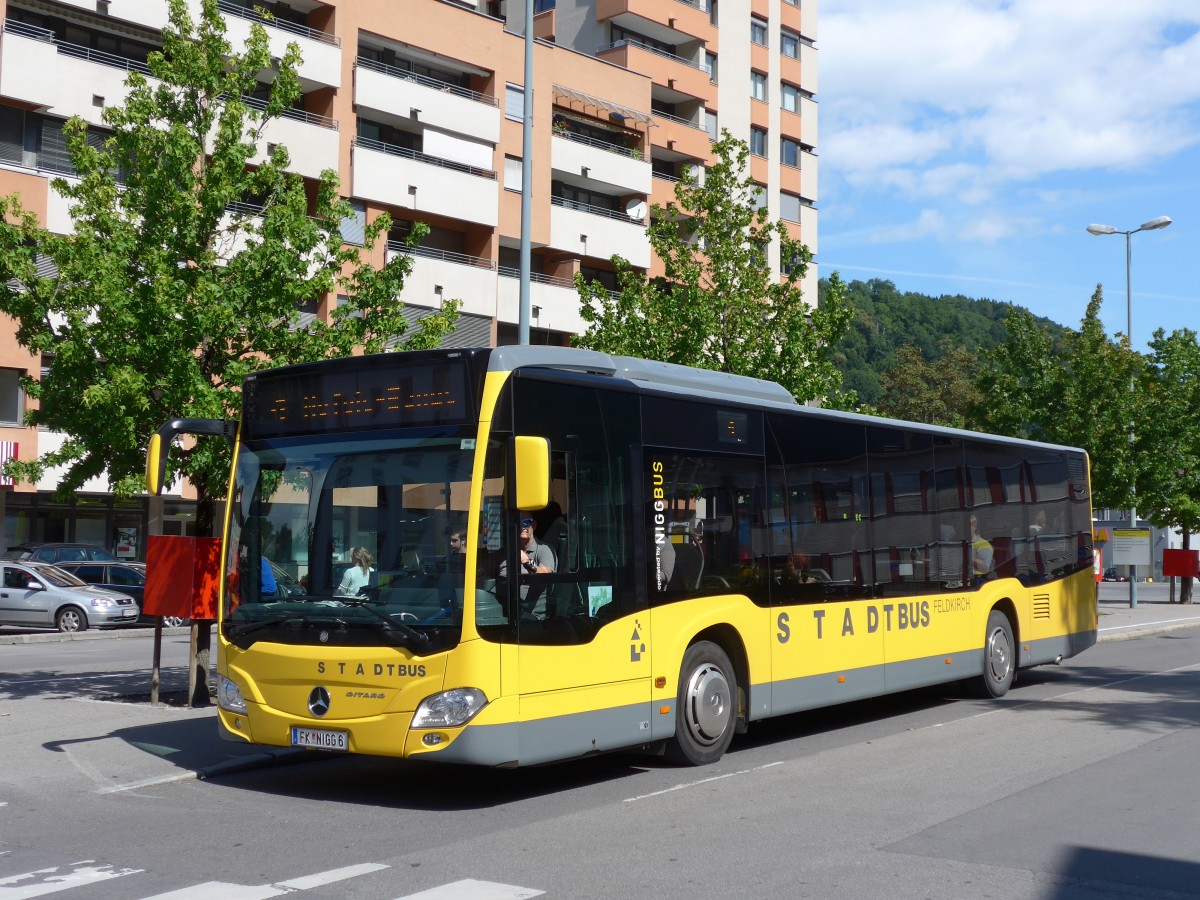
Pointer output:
532, 459
156, 452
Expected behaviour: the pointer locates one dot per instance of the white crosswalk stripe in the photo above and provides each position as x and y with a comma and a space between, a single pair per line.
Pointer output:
470, 889
54, 879
219, 890
42, 882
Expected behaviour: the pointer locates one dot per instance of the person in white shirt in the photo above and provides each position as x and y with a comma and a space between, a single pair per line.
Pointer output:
358, 575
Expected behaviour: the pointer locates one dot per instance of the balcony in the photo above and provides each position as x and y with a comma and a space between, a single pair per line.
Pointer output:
440, 104
598, 232
311, 140
62, 78
801, 125
321, 52
556, 299
442, 273
683, 75
624, 169
672, 23
413, 180
680, 135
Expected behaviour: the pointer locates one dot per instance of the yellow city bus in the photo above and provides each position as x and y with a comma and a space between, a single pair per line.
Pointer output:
705, 553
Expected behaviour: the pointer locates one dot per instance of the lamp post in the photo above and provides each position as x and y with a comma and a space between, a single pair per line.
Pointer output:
1152, 225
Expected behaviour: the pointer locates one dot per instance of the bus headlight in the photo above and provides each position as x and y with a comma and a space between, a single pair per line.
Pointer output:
449, 709
229, 695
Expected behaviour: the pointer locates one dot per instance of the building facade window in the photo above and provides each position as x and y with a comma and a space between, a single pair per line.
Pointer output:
354, 226
710, 66
789, 152
758, 31
12, 398
789, 44
513, 173
710, 124
789, 207
758, 85
758, 141
789, 97
514, 102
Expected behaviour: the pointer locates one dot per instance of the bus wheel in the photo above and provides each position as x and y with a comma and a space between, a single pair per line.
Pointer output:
706, 708
999, 658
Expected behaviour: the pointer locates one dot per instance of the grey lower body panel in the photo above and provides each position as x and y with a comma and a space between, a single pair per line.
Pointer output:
546, 740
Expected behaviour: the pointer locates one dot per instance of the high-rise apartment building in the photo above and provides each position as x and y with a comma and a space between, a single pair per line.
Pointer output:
418, 106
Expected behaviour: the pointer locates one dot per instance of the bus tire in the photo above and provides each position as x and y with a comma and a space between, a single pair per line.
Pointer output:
706, 706
999, 658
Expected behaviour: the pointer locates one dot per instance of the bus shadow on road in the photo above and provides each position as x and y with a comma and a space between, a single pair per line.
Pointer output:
1092, 870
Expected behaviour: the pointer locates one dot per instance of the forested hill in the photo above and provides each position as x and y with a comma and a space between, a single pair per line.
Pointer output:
887, 319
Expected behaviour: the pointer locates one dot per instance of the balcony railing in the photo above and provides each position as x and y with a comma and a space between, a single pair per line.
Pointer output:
632, 152
595, 210
282, 24
538, 278
629, 42
678, 121
417, 156
101, 58
299, 115
426, 81
449, 256
29, 31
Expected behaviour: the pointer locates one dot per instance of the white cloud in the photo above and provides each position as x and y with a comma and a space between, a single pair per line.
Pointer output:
966, 98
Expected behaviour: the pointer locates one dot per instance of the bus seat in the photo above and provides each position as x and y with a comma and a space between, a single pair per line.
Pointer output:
689, 567
1003, 560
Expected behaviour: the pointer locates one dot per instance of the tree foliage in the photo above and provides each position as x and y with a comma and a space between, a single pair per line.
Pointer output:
1080, 396
886, 319
718, 305
1167, 436
190, 262
938, 393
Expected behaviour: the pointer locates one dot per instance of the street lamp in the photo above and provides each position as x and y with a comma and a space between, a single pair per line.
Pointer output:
1152, 225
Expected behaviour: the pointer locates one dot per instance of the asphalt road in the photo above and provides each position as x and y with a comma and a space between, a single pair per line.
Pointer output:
1078, 784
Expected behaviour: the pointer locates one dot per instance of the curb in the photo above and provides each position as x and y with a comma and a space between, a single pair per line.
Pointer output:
92, 634
281, 756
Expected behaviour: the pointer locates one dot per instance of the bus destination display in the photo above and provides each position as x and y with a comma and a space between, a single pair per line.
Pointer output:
356, 400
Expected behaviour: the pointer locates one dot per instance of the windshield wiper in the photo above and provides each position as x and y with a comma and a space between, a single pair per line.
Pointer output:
248, 627
410, 634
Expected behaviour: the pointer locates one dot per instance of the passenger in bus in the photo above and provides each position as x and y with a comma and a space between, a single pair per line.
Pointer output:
358, 576
981, 552
458, 543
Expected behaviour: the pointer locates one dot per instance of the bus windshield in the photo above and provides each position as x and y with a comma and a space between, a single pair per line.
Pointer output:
353, 539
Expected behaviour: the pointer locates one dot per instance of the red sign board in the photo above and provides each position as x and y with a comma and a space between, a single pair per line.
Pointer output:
1181, 563
182, 576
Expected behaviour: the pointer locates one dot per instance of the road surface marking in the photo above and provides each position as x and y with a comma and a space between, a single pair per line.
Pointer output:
690, 784
50, 882
219, 890
470, 889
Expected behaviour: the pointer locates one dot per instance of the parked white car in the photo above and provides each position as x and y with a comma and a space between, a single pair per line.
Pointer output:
39, 595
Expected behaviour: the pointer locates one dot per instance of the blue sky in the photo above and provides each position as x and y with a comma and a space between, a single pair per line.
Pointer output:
965, 146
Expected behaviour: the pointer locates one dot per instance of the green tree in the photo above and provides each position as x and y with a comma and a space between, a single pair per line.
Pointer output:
937, 392
718, 305
1167, 437
189, 264
1080, 395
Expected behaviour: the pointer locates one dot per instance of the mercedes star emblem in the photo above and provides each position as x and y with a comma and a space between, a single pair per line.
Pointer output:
318, 702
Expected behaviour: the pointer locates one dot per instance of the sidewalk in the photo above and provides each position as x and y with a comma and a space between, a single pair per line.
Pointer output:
1153, 614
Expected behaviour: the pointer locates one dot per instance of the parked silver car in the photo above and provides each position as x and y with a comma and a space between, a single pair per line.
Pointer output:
39, 595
